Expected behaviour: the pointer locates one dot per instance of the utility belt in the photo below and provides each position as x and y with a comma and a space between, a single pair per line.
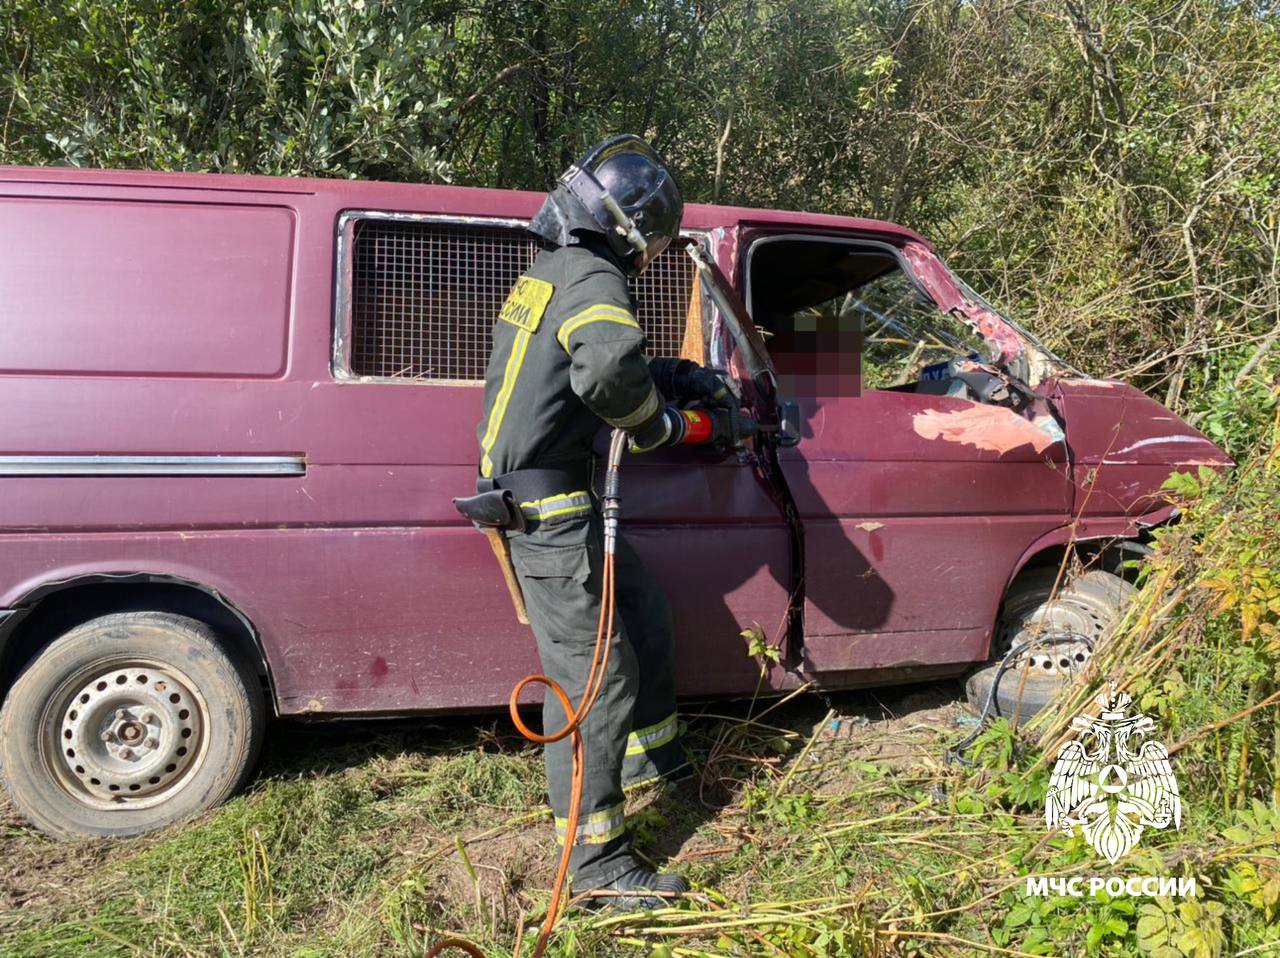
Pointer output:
508, 505
541, 495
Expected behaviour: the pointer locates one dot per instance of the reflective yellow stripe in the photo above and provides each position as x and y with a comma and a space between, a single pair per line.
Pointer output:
566, 503
509, 377
640, 783
597, 828
652, 736
600, 313
553, 500
641, 412
564, 511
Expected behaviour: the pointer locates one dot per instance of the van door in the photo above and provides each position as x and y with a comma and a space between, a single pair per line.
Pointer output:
417, 297
916, 500
704, 520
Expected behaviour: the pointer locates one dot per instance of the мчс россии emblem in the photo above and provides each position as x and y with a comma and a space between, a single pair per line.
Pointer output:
1111, 781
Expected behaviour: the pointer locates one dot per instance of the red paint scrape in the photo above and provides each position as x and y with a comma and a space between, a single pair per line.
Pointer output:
992, 428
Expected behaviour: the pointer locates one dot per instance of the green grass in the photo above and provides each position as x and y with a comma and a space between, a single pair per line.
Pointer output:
348, 844
821, 840
316, 858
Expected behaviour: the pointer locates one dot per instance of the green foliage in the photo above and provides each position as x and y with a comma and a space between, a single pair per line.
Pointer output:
1188, 929
313, 87
1108, 171
792, 811
1255, 879
759, 648
1234, 405
1200, 649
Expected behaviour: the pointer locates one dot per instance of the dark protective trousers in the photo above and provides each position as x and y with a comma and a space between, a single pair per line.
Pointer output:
631, 735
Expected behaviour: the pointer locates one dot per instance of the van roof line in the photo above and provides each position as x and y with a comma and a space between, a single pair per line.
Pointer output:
464, 200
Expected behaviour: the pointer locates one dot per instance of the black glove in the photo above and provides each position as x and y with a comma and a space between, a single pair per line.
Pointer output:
692, 383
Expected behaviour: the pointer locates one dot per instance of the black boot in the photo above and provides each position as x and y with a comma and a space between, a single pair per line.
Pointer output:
630, 888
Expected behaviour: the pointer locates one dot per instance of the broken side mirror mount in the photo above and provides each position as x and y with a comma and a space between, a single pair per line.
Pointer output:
788, 423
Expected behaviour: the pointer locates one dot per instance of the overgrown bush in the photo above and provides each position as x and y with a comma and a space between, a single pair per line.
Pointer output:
1200, 646
309, 88
1108, 169
1199, 650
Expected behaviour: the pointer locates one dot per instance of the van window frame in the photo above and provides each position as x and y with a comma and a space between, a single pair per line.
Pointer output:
833, 238
840, 240
344, 249
340, 359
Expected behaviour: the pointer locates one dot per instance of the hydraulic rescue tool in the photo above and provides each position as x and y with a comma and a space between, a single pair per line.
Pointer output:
496, 511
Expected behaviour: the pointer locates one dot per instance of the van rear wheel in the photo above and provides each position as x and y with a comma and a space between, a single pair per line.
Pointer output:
127, 723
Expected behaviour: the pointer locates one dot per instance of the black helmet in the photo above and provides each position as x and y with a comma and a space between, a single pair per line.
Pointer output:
630, 195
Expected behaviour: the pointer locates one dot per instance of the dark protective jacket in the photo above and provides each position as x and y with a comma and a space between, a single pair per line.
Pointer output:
568, 353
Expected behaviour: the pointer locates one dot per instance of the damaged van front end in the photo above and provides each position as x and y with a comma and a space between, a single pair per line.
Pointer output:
1121, 444
946, 459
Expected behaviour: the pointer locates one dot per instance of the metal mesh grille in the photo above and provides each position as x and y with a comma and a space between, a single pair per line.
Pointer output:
424, 297
662, 295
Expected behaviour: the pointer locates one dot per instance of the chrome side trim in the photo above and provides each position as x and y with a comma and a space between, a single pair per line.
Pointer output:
153, 466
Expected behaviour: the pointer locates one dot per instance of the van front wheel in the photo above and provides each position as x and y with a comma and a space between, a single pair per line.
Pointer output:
1088, 605
127, 723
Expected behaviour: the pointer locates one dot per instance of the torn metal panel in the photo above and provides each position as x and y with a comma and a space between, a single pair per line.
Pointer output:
938, 282
1010, 344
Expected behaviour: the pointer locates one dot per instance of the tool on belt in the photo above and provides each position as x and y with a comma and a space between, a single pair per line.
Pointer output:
496, 511
491, 512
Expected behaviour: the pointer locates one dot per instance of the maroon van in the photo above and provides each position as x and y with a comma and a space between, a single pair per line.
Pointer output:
233, 411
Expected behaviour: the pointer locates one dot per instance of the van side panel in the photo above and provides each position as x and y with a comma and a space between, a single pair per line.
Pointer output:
369, 592
121, 288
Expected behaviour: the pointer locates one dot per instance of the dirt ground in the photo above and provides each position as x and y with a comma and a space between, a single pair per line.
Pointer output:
895, 728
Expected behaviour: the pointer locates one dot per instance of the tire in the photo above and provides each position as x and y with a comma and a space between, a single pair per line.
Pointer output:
1088, 605
128, 723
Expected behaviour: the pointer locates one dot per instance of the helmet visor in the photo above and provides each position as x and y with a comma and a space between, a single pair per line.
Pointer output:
656, 246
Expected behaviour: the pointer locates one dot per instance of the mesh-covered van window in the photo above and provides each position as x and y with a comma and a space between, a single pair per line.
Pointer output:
424, 295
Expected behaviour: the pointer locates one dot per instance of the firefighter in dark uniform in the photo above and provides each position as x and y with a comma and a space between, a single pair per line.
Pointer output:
568, 355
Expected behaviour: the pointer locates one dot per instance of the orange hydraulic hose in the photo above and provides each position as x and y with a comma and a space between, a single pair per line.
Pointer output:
573, 727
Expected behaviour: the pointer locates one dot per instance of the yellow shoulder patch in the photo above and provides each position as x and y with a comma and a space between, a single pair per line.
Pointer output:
526, 303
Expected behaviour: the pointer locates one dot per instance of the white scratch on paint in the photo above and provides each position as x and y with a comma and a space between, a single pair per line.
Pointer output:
1157, 441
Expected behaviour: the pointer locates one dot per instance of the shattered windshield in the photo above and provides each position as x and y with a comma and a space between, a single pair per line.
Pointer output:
970, 293
904, 334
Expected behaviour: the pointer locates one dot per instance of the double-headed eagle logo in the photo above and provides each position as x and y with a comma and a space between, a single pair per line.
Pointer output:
1111, 781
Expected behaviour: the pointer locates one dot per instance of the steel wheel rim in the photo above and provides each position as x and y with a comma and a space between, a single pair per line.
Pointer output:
1067, 614
125, 732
